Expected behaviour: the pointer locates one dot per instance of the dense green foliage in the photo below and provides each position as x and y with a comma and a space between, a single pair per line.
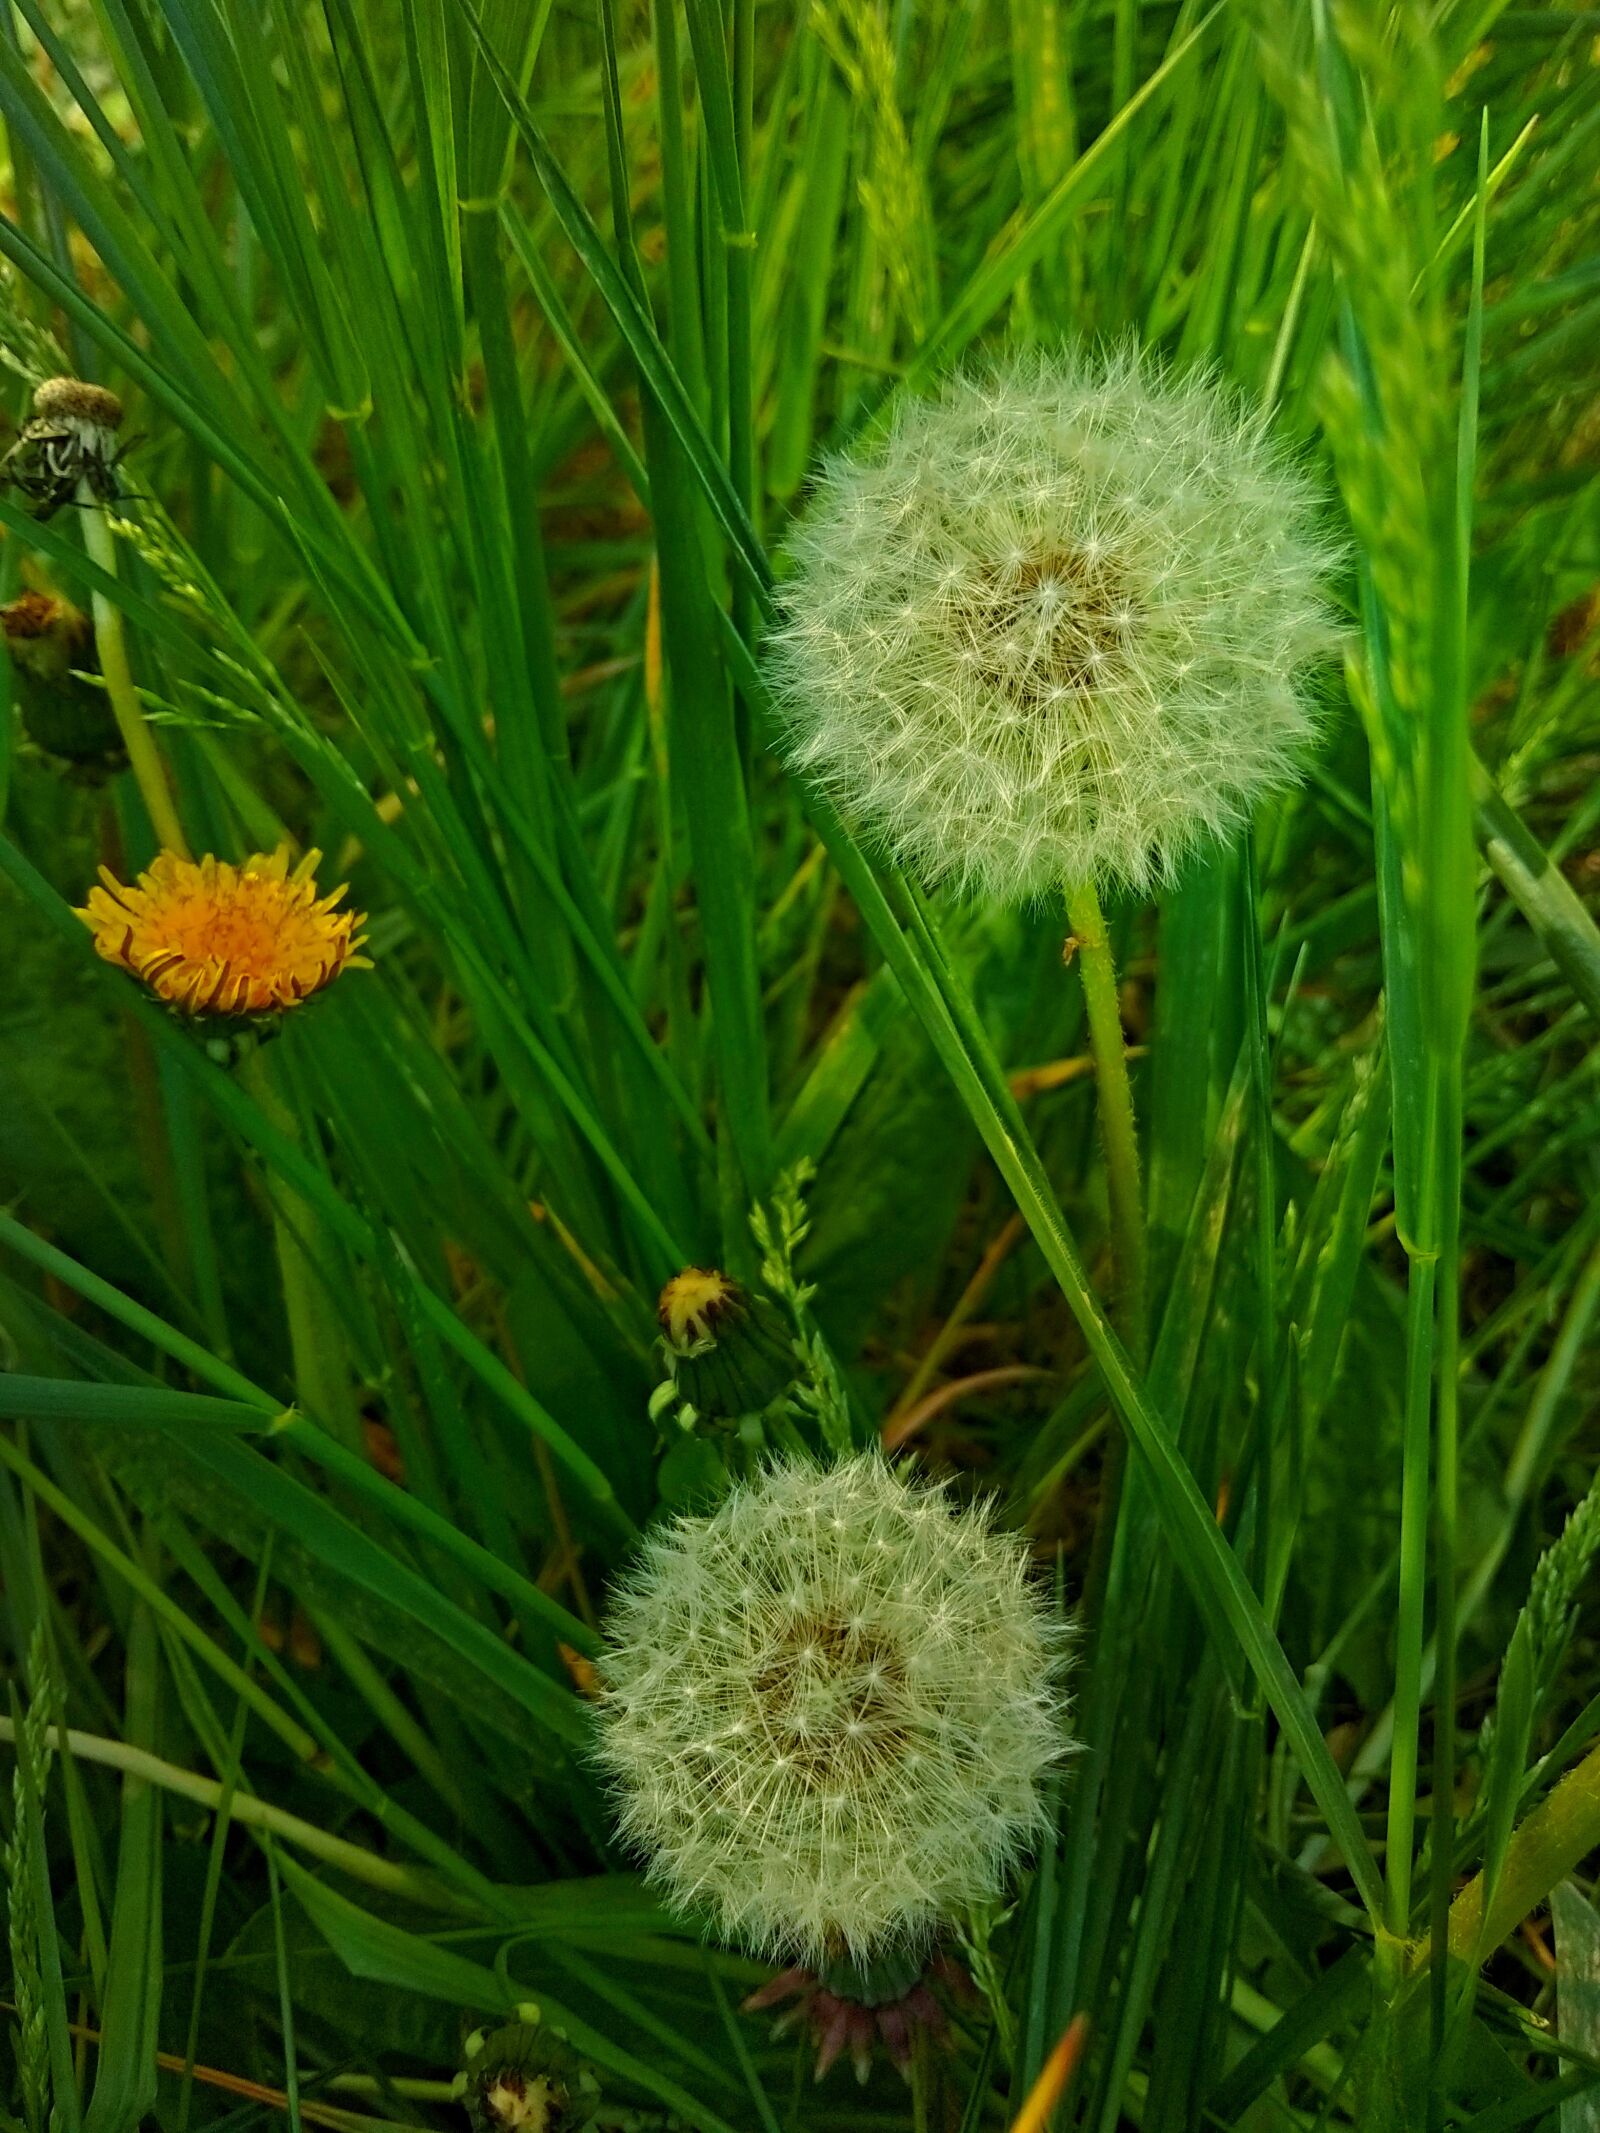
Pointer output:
475, 353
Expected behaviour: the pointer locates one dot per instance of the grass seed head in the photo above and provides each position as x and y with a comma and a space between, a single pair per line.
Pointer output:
829, 1708
1057, 626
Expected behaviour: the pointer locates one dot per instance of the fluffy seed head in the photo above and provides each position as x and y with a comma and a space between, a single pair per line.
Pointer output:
1057, 625
828, 1709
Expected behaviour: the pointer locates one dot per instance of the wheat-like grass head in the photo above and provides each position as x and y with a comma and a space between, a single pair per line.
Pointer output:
1058, 625
829, 1708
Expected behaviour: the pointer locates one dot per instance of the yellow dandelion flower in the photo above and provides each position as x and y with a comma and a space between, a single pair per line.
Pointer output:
210, 938
694, 1303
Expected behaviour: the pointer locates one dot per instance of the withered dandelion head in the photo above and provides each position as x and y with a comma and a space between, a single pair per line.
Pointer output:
68, 443
65, 714
695, 1303
830, 1708
75, 400
211, 938
524, 2077
729, 1351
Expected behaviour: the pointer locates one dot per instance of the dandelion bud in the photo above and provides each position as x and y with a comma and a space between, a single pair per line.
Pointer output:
829, 1708
47, 636
68, 719
524, 2078
730, 1353
1057, 626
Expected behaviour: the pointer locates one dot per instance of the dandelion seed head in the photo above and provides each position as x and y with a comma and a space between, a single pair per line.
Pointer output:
1086, 602
874, 1686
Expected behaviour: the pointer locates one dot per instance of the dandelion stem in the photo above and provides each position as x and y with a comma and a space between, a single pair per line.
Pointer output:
1118, 1136
144, 758
316, 1338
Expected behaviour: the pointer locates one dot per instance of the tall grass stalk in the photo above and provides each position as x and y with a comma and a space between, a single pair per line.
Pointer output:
144, 758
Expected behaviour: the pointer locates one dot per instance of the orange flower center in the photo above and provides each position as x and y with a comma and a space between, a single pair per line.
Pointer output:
251, 933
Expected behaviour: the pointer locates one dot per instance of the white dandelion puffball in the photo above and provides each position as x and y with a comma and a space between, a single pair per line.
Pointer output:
829, 1707
1056, 626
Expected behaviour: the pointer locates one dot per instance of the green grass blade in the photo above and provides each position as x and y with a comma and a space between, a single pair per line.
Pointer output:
125, 2070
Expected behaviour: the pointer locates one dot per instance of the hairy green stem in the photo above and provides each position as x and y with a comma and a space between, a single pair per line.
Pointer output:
1120, 1142
316, 1337
144, 758
1118, 1135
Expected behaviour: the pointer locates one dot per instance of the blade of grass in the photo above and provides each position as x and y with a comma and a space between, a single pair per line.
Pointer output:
371, 1947
125, 2073
665, 386
1029, 239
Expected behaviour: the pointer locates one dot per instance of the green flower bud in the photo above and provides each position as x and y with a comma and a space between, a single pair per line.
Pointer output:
525, 2078
730, 1353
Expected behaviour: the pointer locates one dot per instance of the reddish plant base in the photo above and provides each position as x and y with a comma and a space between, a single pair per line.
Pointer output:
839, 2022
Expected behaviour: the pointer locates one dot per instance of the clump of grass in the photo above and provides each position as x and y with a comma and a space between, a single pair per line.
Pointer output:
474, 361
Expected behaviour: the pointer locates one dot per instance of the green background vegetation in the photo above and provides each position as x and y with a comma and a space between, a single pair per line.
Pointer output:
477, 353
